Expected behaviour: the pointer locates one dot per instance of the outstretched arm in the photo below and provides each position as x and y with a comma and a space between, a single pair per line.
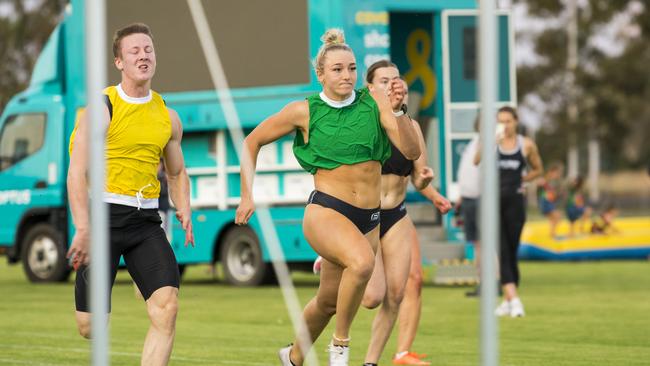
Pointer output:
177, 179
77, 183
293, 116
422, 174
441, 202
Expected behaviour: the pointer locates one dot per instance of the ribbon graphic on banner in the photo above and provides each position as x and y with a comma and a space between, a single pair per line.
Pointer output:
418, 52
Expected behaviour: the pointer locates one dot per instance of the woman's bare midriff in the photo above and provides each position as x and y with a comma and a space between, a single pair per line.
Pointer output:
357, 184
393, 190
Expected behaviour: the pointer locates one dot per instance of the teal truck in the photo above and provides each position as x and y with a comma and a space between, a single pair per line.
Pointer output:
266, 49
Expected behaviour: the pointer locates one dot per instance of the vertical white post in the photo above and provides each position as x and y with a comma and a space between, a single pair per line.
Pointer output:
594, 169
95, 82
572, 108
593, 160
489, 207
264, 218
222, 169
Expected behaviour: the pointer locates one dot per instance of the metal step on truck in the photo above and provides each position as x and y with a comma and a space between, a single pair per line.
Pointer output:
266, 49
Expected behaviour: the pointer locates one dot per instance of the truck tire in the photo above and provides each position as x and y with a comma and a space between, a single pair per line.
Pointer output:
43, 255
241, 258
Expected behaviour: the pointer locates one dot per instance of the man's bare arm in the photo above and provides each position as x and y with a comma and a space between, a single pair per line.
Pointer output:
77, 183
177, 179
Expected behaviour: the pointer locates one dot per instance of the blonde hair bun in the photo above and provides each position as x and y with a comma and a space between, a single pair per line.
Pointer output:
332, 40
333, 36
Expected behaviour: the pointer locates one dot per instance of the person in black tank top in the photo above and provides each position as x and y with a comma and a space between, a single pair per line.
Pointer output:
511, 167
396, 281
518, 162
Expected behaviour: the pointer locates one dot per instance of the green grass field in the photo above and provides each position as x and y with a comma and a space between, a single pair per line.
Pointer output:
577, 314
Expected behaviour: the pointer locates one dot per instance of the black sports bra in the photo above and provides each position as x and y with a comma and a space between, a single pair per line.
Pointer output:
397, 164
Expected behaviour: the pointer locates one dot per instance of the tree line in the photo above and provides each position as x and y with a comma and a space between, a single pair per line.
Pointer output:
612, 91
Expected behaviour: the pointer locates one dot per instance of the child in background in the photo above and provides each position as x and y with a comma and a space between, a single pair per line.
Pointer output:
604, 224
548, 193
576, 208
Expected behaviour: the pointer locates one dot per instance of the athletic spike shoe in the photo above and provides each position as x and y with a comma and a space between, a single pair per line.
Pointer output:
503, 309
339, 355
317, 264
283, 354
407, 358
516, 308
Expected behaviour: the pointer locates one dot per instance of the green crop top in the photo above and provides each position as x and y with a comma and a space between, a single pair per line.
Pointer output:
342, 136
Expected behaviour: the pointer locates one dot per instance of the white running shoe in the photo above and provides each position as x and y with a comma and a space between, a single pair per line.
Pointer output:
283, 354
503, 309
339, 355
317, 265
516, 308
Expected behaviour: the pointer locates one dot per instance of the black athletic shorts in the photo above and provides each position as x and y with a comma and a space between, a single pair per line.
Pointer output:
138, 236
364, 219
390, 217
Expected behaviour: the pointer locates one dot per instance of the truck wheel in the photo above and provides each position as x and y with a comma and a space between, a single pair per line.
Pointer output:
241, 258
43, 255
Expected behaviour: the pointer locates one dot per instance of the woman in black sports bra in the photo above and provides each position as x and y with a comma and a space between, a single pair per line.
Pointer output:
397, 278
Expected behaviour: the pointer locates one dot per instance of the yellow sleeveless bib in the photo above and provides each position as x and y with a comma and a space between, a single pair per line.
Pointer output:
138, 132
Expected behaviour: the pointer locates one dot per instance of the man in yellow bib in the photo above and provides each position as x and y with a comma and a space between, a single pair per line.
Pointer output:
140, 130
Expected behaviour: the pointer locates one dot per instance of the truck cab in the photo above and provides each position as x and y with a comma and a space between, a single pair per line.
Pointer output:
33, 168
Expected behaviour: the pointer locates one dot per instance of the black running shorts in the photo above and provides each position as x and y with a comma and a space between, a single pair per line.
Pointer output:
364, 219
390, 217
138, 236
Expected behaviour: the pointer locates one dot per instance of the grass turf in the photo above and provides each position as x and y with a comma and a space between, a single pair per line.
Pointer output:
595, 313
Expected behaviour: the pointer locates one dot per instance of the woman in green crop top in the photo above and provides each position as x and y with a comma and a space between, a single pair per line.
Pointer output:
342, 139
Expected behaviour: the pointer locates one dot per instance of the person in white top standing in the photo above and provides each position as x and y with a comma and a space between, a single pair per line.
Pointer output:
469, 187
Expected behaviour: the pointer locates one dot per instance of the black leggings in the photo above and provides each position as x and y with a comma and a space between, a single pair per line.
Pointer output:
513, 217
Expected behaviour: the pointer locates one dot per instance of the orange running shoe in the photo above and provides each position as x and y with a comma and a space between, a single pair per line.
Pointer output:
418, 355
408, 359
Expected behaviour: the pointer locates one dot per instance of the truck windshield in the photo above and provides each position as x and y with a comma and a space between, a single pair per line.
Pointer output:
21, 137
